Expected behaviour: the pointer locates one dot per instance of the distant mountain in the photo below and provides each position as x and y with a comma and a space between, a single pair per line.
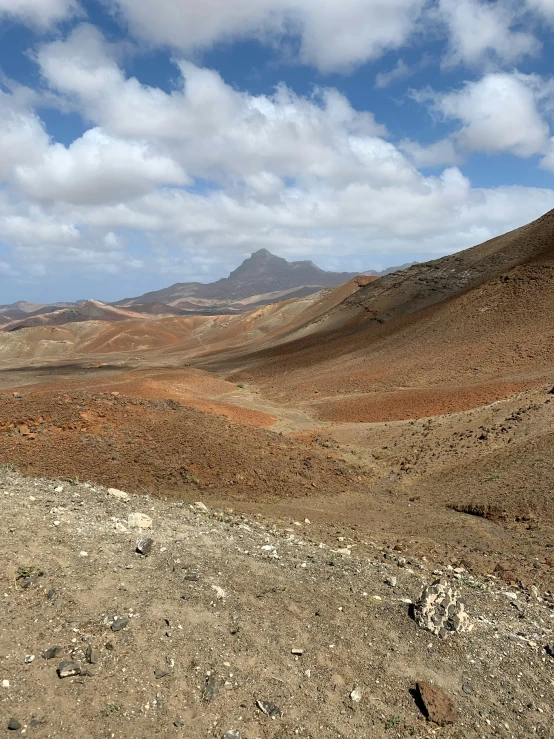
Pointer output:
262, 278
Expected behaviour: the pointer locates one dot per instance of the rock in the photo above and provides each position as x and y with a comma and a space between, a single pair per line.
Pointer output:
436, 705
186, 596
14, 724
200, 507
390, 581
91, 655
270, 709
52, 652
212, 688
119, 623
5, 684
232, 734
83, 554
509, 595
192, 576
356, 695
159, 673
220, 594
440, 610
145, 545
466, 687
29, 658
120, 528
139, 521
297, 652
549, 649
69, 668
119, 494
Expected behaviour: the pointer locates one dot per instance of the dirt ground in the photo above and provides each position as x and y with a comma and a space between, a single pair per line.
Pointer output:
212, 618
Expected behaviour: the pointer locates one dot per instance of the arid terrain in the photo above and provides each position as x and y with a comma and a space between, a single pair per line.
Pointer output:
409, 417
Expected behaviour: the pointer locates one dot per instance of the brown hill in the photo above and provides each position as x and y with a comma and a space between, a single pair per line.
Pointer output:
261, 275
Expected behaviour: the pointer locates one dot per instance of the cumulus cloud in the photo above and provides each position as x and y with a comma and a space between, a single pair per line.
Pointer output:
96, 168
499, 113
38, 13
211, 170
481, 30
333, 34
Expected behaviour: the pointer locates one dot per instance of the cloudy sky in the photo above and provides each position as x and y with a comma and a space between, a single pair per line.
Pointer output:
144, 142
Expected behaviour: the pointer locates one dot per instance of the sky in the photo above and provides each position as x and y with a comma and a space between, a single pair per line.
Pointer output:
147, 142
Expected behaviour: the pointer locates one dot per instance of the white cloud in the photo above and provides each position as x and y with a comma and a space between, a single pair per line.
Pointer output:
334, 34
38, 13
299, 175
481, 30
544, 7
499, 113
437, 154
97, 169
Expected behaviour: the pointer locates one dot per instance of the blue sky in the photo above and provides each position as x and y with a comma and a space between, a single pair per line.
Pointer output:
144, 142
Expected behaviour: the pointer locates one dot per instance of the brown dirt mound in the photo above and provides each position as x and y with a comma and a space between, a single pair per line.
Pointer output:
162, 448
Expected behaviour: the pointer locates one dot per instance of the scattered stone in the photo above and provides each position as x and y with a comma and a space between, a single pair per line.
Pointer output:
119, 623
509, 595
441, 611
212, 688
192, 576
200, 507
139, 521
390, 581
220, 594
83, 554
356, 695
159, 673
466, 687
52, 652
436, 705
232, 735
549, 649
91, 655
51, 594
29, 658
297, 652
119, 494
69, 668
186, 596
145, 545
5, 684
270, 709
14, 724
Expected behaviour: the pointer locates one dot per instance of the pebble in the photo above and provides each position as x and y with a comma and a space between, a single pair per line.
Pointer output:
139, 521
466, 687
356, 695
69, 668
145, 545
297, 652
200, 507
14, 725
52, 652
91, 655
390, 581
119, 494
270, 709
83, 554
509, 595
220, 594
232, 734
192, 576
212, 688
29, 658
5, 684
119, 623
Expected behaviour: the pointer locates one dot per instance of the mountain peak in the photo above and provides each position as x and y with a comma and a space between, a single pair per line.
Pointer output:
261, 253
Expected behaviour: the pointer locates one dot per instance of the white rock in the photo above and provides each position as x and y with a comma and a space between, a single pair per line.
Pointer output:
59, 489
139, 521
356, 695
120, 528
200, 507
344, 552
508, 594
5, 684
119, 494
220, 593
83, 554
